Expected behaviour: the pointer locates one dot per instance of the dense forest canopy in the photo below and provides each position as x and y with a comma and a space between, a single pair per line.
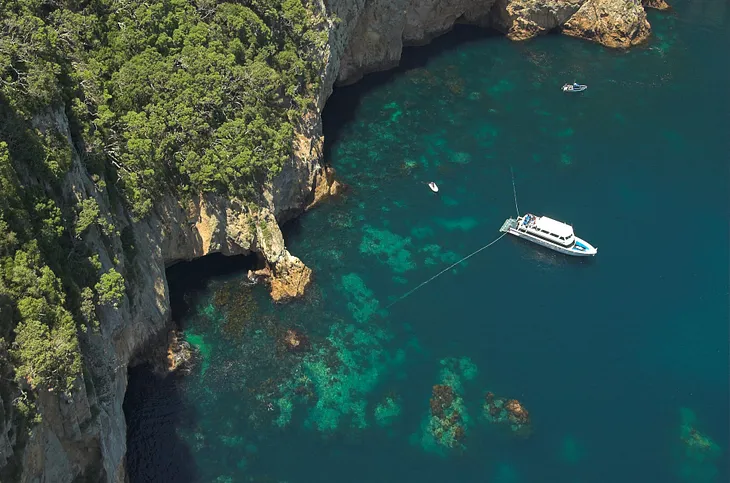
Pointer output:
162, 97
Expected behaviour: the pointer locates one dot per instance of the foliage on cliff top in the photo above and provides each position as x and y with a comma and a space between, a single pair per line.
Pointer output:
188, 95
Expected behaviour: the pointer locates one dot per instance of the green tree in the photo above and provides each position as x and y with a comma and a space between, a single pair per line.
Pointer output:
88, 215
110, 288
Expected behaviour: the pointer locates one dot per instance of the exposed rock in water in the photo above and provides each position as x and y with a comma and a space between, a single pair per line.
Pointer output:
613, 23
657, 4
179, 354
166, 354
290, 280
508, 412
524, 19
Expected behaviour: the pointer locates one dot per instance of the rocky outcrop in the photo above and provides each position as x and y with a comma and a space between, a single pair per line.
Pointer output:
614, 23
524, 19
656, 4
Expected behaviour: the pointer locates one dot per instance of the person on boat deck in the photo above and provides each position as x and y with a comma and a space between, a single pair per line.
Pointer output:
575, 84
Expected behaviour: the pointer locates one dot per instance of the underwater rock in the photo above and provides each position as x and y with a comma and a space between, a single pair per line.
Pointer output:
295, 341
697, 441
698, 460
442, 398
388, 411
613, 23
446, 423
508, 412
238, 303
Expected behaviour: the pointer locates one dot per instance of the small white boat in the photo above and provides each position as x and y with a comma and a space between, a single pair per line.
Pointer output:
433, 187
549, 233
574, 87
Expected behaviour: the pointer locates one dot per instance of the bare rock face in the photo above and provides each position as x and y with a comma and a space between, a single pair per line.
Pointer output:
613, 23
290, 279
292, 189
524, 19
376, 34
326, 186
376, 41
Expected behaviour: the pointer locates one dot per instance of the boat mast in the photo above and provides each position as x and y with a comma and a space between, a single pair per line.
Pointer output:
514, 190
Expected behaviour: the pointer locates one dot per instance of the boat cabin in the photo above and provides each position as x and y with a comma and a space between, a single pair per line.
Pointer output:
548, 229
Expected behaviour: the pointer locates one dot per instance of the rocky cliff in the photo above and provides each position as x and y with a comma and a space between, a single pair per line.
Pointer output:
371, 35
84, 436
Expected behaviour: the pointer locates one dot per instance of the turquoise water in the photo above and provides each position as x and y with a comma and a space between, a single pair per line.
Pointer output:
621, 360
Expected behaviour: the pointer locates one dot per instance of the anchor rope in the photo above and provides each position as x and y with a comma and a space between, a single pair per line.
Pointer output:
514, 190
445, 270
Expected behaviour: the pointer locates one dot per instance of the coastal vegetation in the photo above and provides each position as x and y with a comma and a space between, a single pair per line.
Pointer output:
151, 99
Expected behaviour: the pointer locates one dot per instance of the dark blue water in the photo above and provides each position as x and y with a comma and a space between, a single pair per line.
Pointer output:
621, 360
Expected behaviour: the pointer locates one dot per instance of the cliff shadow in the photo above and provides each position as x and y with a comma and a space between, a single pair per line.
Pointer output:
341, 107
154, 410
186, 279
155, 407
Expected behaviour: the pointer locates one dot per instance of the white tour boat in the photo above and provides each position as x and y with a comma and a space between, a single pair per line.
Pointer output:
549, 233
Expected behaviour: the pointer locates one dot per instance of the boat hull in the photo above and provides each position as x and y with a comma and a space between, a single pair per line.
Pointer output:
580, 248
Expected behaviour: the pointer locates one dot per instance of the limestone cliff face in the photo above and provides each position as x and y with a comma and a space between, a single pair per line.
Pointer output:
371, 35
84, 436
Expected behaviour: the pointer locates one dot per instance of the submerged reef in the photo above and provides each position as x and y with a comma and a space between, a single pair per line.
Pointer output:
447, 423
337, 373
507, 412
388, 247
388, 410
294, 340
699, 453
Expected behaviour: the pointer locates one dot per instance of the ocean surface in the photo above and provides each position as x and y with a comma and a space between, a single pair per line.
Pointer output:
620, 360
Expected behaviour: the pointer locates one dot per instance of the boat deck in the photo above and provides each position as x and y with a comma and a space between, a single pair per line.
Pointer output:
508, 223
